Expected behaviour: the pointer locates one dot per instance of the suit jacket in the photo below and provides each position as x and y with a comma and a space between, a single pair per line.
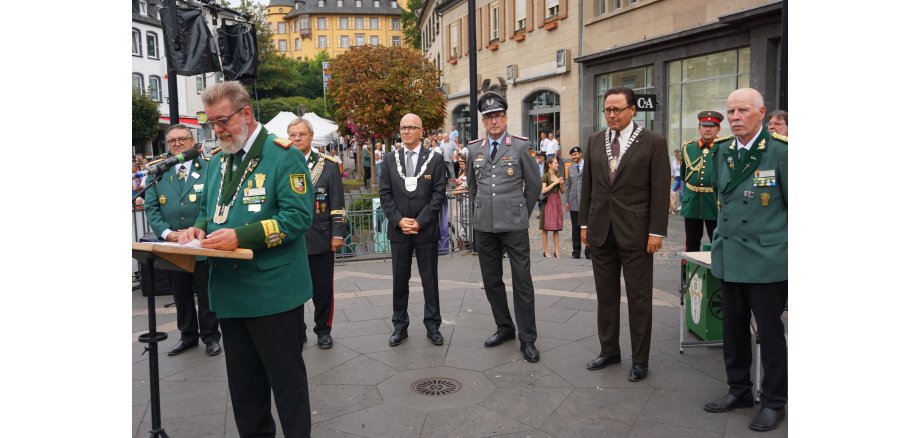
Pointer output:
637, 202
751, 241
504, 190
328, 206
272, 225
424, 204
573, 187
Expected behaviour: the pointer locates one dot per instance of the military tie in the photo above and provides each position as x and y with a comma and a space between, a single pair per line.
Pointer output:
494, 149
182, 173
237, 159
615, 151
410, 166
742, 154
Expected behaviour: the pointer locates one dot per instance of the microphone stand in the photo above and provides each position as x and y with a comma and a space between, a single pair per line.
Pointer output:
152, 337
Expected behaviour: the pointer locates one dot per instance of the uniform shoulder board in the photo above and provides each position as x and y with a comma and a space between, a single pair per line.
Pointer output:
213, 153
328, 157
721, 139
689, 142
283, 142
520, 138
475, 141
780, 137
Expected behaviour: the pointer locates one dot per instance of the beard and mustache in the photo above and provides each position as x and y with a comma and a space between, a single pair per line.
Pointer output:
234, 143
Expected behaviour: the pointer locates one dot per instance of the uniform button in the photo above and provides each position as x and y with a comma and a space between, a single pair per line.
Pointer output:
493, 194
744, 239
181, 217
493, 166
493, 185
745, 202
743, 221
724, 219
493, 175
235, 266
181, 203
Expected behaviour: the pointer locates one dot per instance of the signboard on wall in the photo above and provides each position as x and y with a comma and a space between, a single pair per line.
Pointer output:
646, 102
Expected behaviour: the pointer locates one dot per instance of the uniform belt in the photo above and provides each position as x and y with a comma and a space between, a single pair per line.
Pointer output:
699, 189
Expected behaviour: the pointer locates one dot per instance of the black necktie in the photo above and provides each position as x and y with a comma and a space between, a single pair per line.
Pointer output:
494, 148
615, 151
742, 154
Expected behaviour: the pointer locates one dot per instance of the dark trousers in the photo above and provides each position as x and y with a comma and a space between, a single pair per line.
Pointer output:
194, 323
517, 245
693, 228
264, 355
367, 176
607, 260
321, 270
766, 301
426, 254
576, 237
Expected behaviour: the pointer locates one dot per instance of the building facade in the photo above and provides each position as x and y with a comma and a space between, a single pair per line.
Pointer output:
302, 28
554, 62
523, 47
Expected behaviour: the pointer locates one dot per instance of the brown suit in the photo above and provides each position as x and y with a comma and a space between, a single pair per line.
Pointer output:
619, 218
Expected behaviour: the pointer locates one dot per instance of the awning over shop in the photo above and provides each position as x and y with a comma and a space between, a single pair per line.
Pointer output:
193, 121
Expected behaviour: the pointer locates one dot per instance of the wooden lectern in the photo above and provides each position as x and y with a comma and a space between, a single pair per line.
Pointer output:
176, 258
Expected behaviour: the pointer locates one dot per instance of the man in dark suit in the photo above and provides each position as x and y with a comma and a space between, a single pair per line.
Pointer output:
505, 187
413, 181
750, 255
172, 206
327, 233
625, 190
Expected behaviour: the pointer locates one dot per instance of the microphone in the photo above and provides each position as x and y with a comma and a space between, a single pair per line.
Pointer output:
163, 166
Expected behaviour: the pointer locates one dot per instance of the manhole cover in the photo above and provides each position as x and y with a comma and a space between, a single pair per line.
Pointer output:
436, 386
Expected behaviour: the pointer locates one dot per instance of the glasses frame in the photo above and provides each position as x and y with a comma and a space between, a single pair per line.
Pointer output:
179, 140
616, 111
222, 122
491, 117
409, 128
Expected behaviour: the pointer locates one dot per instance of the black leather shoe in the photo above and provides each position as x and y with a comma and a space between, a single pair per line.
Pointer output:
638, 372
324, 341
435, 337
768, 419
530, 352
498, 338
602, 361
212, 348
398, 337
729, 402
576, 256
182, 346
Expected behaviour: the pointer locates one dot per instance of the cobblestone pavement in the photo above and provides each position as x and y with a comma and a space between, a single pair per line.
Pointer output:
362, 387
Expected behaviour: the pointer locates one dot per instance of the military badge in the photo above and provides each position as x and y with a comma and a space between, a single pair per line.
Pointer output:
749, 194
198, 188
260, 180
427, 176
192, 197
510, 171
162, 199
764, 199
299, 183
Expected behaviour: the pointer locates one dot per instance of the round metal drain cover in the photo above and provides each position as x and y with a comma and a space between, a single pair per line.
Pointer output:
436, 386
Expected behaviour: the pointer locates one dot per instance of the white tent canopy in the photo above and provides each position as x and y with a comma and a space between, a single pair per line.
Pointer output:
323, 130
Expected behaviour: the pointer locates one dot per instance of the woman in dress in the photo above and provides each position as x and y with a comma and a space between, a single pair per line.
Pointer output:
551, 219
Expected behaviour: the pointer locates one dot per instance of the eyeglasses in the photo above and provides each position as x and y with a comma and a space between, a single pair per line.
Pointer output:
615, 111
493, 117
178, 140
223, 120
408, 128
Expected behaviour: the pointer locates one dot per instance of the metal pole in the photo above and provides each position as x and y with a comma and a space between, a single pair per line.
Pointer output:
171, 80
474, 86
784, 57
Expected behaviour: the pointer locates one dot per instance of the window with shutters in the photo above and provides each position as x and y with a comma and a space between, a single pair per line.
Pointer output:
520, 14
322, 42
359, 23
375, 23
375, 40
493, 22
359, 39
343, 23
282, 28
552, 8
343, 42
395, 24
296, 43
282, 46
397, 41
321, 23
454, 40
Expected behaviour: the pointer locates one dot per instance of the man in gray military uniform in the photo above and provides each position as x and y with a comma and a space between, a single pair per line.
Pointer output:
572, 200
505, 187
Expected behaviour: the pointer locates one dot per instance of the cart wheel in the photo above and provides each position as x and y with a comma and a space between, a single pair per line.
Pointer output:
715, 304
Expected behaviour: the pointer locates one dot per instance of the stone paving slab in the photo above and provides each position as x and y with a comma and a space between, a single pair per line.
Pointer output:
360, 387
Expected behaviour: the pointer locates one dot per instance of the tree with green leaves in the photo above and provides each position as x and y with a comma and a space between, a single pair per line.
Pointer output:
374, 87
145, 116
411, 29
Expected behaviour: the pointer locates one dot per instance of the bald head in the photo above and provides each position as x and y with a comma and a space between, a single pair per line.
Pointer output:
745, 113
410, 130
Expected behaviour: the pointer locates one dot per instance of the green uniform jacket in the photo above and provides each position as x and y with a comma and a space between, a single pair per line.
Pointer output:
699, 201
272, 225
172, 204
751, 244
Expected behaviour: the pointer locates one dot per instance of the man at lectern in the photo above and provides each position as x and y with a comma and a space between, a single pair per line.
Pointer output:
260, 197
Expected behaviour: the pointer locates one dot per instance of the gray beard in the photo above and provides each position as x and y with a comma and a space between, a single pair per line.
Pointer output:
236, 142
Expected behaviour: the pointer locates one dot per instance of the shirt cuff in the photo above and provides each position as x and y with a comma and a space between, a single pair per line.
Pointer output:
656, 235
165, 234
337, 237
584, 227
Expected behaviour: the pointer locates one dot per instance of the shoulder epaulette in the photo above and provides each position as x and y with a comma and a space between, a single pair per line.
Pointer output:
519, 137
691, 141
213, 153
283, 142
780, 137
475, 141
721, 139
328, 157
